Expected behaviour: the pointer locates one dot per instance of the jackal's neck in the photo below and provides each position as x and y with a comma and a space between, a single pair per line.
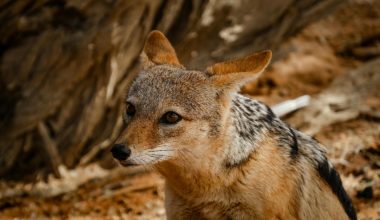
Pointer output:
249, 120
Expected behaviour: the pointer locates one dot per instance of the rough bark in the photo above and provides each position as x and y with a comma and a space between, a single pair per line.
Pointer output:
65, 64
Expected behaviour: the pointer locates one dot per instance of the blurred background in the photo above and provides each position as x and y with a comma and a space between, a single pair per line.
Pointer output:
65, 67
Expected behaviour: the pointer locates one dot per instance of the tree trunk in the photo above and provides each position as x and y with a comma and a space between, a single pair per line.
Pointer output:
66, 65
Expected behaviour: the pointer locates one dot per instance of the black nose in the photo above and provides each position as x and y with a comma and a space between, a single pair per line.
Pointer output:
120, 152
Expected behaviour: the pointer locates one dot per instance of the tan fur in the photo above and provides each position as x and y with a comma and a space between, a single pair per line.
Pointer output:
268, 184
239, 71
254, 63
159, 50
262, 188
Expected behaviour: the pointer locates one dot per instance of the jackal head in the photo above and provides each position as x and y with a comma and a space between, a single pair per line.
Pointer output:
179, 115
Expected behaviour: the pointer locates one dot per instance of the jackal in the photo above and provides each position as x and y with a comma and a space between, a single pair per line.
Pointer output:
223, 155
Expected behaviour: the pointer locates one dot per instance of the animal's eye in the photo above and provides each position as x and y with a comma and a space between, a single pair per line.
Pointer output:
130, 109
170, 118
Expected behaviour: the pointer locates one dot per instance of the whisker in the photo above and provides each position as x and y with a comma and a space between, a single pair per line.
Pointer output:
153, 155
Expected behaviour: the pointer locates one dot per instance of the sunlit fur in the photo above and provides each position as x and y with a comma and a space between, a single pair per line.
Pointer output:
229, 157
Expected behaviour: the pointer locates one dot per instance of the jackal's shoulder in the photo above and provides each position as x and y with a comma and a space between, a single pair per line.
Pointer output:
255, 123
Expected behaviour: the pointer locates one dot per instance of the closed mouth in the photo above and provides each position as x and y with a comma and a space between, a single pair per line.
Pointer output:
127, 163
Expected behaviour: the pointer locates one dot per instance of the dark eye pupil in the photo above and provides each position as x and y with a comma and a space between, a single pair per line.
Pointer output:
130, 109
170, 118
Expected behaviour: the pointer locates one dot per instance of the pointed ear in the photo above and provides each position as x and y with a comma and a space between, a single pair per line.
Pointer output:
237, 72
158, 50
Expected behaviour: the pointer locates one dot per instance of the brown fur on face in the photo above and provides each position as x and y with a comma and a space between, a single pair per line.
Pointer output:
164, 88
200, 98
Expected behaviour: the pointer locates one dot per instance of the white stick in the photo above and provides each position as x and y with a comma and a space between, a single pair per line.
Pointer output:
286, 107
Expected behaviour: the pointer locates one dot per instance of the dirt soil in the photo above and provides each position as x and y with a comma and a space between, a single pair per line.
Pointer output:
323, 52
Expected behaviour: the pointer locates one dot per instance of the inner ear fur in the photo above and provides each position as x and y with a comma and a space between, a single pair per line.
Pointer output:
240, 71
158, 50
